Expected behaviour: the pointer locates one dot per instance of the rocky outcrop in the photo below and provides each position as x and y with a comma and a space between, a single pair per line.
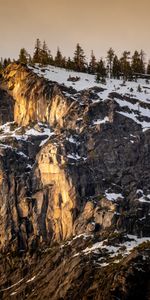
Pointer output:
58, 188
35, 98
70, 164
69, 271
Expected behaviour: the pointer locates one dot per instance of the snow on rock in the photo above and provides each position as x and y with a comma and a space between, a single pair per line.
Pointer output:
31, 279
6, 131
129, 90
61, 76
22, 154
11, 286
113, 196
137, 111
134, 242
84, 235
72, 140
144, 198
74, 156
97, 122
87, 81
129, 245
93, 248
6, 127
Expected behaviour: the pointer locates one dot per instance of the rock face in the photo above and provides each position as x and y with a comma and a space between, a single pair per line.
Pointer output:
35, 99
6, 107
67, 272
69, 164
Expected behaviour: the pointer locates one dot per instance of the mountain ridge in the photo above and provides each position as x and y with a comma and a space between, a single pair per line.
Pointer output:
72, 162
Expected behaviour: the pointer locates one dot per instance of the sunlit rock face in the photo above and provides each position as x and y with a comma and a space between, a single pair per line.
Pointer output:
74, 188
35, 99
59, 197
69, 164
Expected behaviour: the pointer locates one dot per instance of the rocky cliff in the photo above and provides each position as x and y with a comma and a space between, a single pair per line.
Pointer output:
72, 164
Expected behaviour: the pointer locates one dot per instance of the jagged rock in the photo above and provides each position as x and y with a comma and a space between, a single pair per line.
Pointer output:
81, 161
70, 164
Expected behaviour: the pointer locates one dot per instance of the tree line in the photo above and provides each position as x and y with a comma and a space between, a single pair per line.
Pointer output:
128, 66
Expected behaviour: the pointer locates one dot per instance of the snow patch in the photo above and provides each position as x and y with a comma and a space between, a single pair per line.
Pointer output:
114, 250
97, 122
113, 196
11, 286
72, 140
31, 279
74, 156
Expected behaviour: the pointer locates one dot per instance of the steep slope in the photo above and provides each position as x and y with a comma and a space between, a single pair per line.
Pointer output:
72, 162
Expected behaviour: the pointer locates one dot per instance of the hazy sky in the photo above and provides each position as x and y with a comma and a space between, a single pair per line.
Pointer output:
95, 24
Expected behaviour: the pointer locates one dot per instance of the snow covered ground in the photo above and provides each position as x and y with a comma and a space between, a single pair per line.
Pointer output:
129, 90
87, 81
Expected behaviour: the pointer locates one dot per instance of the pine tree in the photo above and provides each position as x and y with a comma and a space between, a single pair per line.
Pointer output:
101, 71
6, 62
137, 64
64, 62
125, 66
110, 56
69, 64
139, 89
142, 58
23, 56
148, 68
37, 52
44, 55
79, 59
116, 68
92, 64
58, 58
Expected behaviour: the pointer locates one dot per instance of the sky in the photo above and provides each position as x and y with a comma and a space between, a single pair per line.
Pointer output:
96, 24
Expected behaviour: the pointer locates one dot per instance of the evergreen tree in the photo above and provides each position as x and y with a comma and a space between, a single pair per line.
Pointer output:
92, 64
139, 89
51, 60
69, 64
64, 62
137, 64
101, 71
58, 59
29, 59
116, 68
142, 58
6, 62
37, 52
110, 56
125, 66
148, 68
23, 56
44, 55
79, 59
